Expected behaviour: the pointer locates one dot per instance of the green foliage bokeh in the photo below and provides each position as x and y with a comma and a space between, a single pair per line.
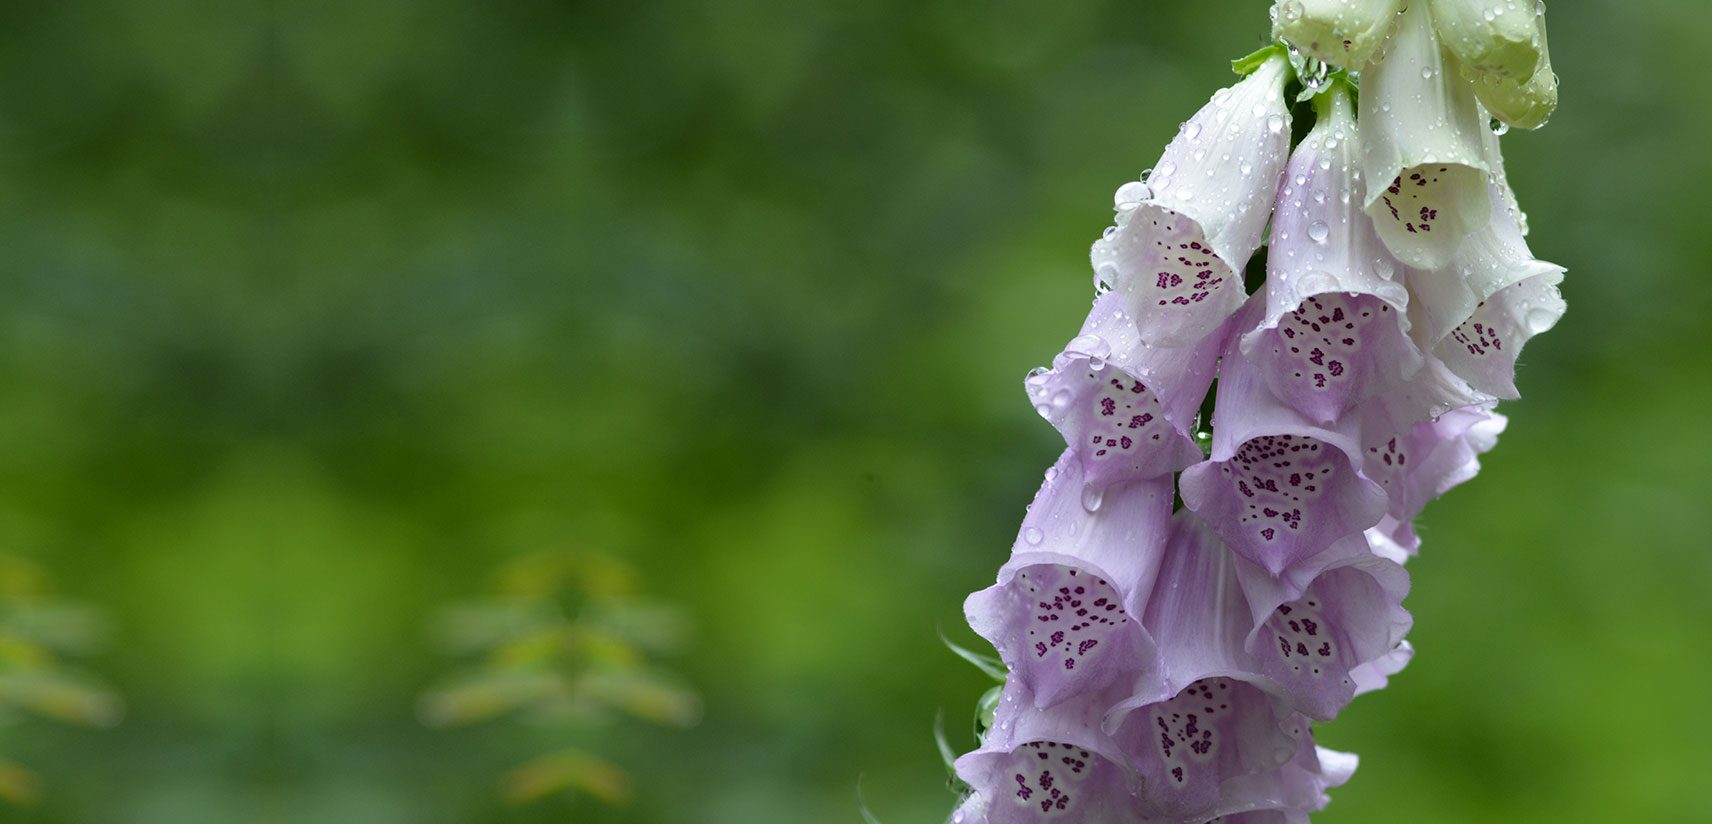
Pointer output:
314, 313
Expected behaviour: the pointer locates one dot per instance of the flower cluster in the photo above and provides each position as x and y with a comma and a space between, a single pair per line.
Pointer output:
1180, 605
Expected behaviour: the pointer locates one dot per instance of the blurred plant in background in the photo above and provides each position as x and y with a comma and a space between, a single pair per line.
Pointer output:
36, 632
565, 644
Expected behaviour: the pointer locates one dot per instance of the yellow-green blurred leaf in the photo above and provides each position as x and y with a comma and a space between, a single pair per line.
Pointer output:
487, 694
567, 770
19, 578
645, 695
61, 696
17, 784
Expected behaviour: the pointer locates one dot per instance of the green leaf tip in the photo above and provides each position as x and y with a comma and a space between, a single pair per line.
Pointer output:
1245, 66
867, 814
947, 755
992, 666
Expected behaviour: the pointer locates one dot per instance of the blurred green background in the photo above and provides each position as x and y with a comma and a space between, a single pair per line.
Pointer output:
313, 314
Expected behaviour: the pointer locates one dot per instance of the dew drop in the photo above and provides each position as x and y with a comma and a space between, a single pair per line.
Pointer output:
1316, 283
1275, 123
1033, 536
1091, 345
1092, 497
1130, 194
1318, 231
1105, 277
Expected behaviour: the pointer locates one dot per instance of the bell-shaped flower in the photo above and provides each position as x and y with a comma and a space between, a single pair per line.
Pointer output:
1065, 613
1125, 409
1524, 103
1343, 32
1183, 237
1278, 487
1319, 642
1487, 302
1496, 39
1303, 637
1206, 719
1336, 326
1422, 157
1417, 452
1193, 749
1048, 765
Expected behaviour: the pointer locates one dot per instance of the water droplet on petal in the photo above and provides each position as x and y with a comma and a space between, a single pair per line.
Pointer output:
1033, 536
1092, 497
1130, 194
1318, 231
1275, 123
1316, 283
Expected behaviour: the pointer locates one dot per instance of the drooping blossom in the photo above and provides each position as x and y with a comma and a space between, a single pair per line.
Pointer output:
1125, 410
1421, 147
1335, 332
1493, 39
1478, 312
1278, 487
1343, 32
1065, 613
1184, 235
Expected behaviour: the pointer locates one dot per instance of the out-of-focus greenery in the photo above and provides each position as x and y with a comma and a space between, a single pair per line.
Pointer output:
312, 314
36, 632
565, 643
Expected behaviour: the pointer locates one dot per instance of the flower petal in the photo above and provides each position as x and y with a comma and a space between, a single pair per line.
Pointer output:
1421, 148
1492, 39
1190, 748
1336, 324
1313, 640
1123, 408
1198, 611
1491, 261
1278, 488
1483, 349
1064, 614
1418, 460
1178, 254
1289, 794
1342, 32
1053, 765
